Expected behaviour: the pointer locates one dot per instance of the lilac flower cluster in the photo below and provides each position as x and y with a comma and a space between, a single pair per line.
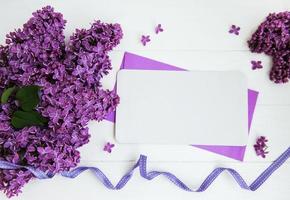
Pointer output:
71, 93
273, 38
260, 146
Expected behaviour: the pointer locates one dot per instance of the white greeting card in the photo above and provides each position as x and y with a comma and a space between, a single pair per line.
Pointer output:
170, 107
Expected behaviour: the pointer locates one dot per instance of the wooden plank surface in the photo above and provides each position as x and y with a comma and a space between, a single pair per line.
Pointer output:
196, 37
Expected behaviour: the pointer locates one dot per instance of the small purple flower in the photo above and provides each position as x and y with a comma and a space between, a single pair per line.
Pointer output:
234, 29
43, 151
108, 147
261, 147
79, 70
256, 64
158, 29
145, 39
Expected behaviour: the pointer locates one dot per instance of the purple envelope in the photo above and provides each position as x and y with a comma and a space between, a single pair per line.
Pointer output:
132, 61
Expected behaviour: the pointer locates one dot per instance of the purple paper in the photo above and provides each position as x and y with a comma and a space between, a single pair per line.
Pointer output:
132, 61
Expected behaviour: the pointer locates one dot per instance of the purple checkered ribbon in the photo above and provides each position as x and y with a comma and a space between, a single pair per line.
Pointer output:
142, 164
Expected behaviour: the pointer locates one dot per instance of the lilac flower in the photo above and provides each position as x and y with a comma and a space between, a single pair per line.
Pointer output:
145, 39
273, 38
43, 151
108, 147
158, 29
256, 64
71, 92
234, 29
261, 147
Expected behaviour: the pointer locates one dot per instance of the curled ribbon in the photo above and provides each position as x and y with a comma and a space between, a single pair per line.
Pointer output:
142, 164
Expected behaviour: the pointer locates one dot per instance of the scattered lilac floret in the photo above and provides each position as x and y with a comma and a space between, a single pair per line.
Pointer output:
158, 29
145, 39
234, 30
273, 38
108, 147
261, 147
71, 94
256, 64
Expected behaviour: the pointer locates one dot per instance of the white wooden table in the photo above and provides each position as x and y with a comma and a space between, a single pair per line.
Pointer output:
195, 37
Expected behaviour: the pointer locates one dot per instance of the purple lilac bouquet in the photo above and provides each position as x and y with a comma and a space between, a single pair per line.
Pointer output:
273, 38
69, 78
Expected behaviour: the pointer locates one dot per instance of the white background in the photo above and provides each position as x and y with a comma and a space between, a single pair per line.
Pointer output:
195, 37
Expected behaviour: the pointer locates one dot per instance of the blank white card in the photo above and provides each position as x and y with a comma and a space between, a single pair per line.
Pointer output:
182, 107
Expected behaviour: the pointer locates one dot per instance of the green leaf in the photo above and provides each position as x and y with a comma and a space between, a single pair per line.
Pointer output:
6, 94
21, 119
28, 97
